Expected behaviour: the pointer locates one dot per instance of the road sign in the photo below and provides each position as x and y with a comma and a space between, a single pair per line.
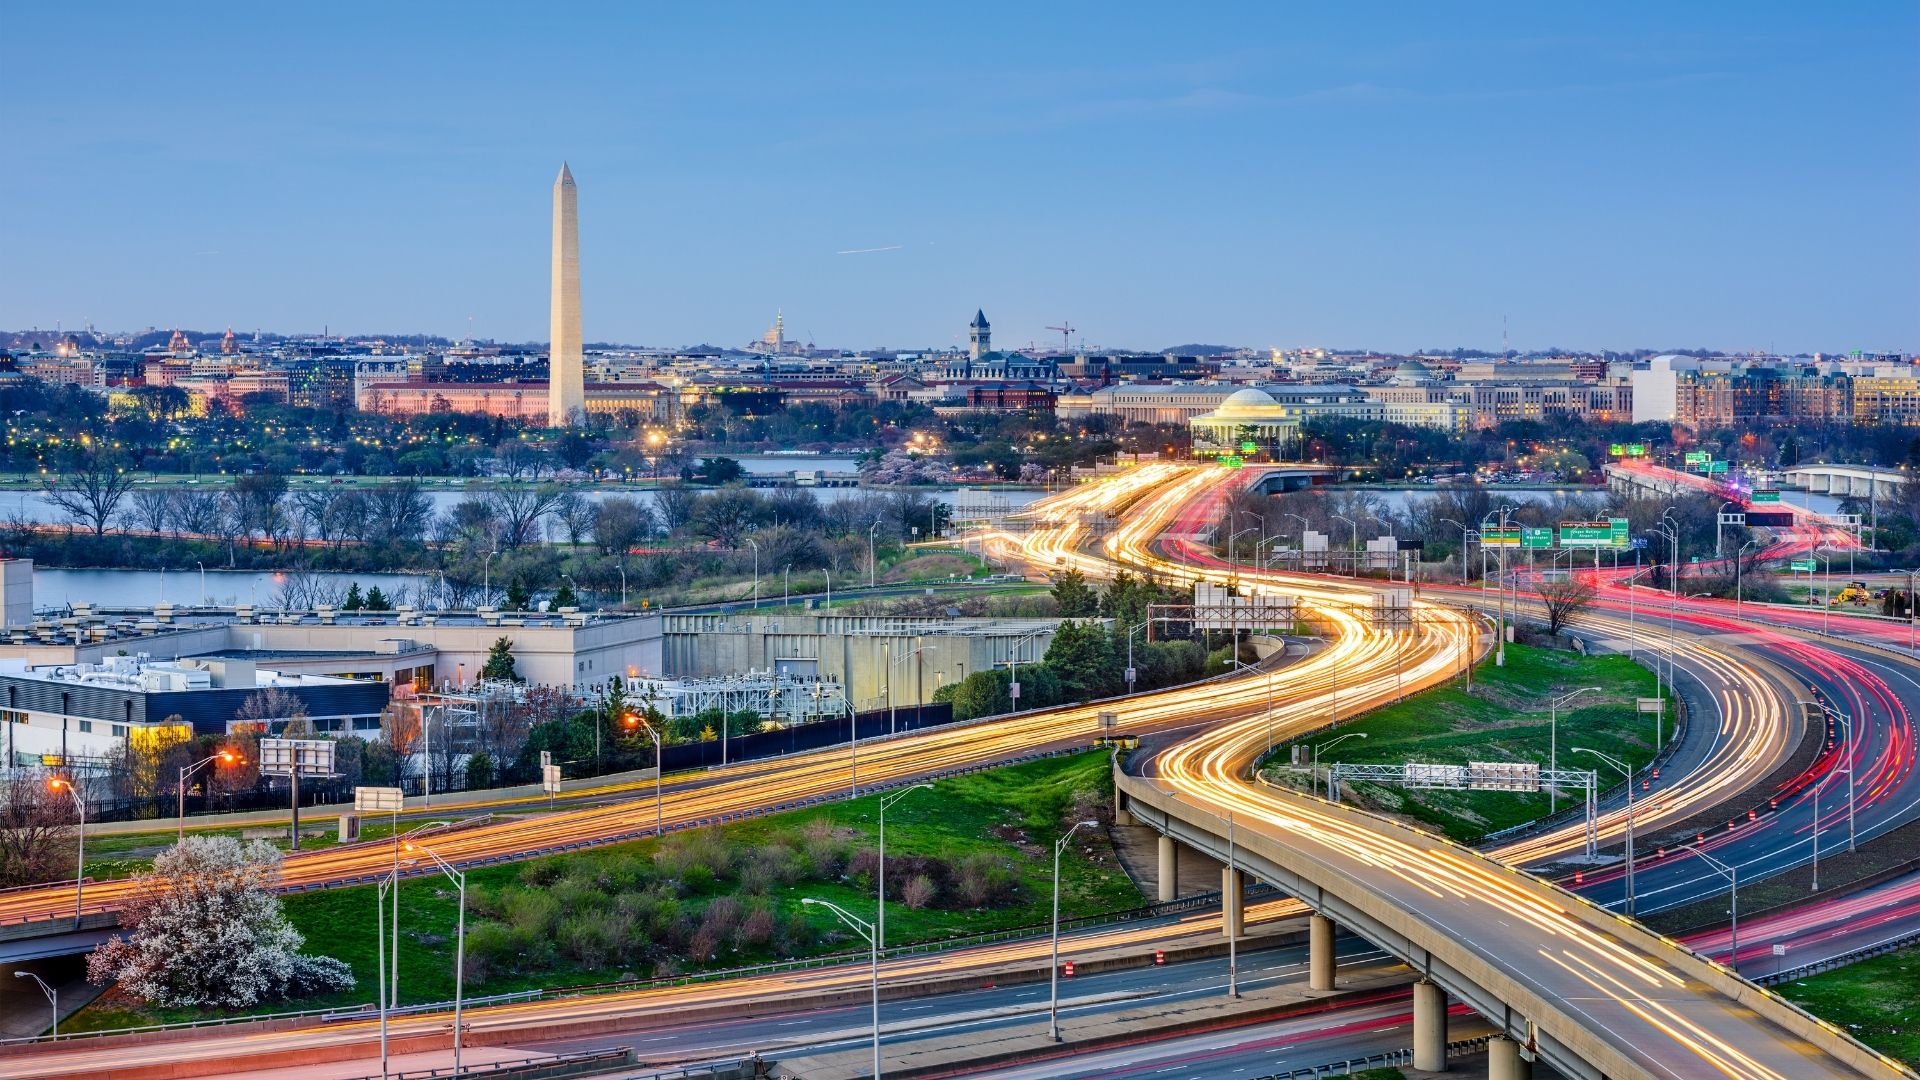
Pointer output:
1803, 566
1423, 774
379, 800
1535, 539
1715, 467
1500, 537
1503, 776
281, 757
1617, 450
550, 779
1651, 704
1636, 449
1611, 533
1249, 447
1696, 457
1639, 543
1766, 497
1233, 461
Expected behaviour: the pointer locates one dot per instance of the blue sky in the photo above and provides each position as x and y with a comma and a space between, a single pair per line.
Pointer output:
1729, 175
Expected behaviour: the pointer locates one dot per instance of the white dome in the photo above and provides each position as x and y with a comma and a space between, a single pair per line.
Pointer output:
1248, 398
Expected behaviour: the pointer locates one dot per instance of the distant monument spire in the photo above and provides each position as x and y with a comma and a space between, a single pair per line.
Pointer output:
980, 335
566, 378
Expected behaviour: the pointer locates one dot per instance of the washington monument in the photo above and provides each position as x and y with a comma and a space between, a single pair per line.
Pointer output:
566, 383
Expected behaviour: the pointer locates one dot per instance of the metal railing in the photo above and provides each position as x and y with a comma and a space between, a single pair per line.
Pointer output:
1879, 948
1389, 1058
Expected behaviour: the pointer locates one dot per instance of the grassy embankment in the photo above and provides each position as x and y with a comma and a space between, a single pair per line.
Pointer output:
1504, 719
1877, 1001
649, 907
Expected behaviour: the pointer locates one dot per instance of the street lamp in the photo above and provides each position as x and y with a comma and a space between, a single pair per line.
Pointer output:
866, 930
459, 879
1130, 668
1328, 745
52, 996
1732, 874
880, 921
1737, 561
1847, 722
226, 757
1356, 542
59, 783
871, 567
1053, 973
1553, 738
1627, 774
203, 582
486, 579
755, 545
659, 764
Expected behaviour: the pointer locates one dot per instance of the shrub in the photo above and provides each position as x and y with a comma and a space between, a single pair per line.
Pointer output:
985, 880
722, 917
490, 948
703, 946
589, 938
529, 913
863, 868
758, 928
918, 892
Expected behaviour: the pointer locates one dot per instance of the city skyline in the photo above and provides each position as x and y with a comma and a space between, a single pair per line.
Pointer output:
1734, 180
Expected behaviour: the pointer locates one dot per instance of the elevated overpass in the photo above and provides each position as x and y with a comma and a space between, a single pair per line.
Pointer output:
1854, 481
1592, 994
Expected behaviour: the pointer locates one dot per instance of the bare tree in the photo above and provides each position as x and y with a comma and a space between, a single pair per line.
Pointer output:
576, 514
274, 705
1564, 600
151, 510
398, 512
90, 490
36, 830
521, 511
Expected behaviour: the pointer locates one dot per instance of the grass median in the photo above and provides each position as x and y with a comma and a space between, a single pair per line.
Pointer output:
972, 855
1505, 719
1876, 1001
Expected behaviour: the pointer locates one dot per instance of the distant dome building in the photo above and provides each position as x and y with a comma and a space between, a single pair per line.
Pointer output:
1249, 417
1411, 373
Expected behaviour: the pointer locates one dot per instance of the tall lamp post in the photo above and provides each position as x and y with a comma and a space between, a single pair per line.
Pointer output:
880, 919
755, 545
225, 757
872, 565
1355, 568
459, 878
659, 765
1737, 563
1131, 671
52, 996
486, 579
1465, 532
1553, 739
1732, 874
61, 783
1846, 722
1053, 973
1627, 774
1328, 745
866, 930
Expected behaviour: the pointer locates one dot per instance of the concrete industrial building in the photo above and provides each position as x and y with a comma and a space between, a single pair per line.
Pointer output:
566, 366
858, 652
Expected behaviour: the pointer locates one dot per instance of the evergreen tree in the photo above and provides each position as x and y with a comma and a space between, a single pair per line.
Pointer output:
563, 597
353, 601
499, 666
479, 770
518, 598
1081, 657
377, 600
1074, 597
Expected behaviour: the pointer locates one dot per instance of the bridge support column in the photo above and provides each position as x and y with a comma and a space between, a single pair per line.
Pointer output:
1504, 1061
1429, 1027
1233, 896
1320, 953
1121, 816
1169, 871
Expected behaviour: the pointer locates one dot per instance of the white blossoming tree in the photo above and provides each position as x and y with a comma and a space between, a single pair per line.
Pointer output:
204, 930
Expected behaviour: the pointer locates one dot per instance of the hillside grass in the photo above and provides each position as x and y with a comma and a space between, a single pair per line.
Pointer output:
1504, 719
1012, 813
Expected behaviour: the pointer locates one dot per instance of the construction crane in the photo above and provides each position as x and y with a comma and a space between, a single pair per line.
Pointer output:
1066, 335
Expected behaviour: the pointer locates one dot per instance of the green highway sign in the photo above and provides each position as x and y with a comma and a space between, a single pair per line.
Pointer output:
1715, 467
1536, 538
1611, 533
1636, 449
1249, 446
1617, 450
1798, 565
1766, 497
1233, 461
1696, 457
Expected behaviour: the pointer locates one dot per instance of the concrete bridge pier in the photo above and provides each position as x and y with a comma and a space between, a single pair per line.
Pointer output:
1233, 899
1429, 1027
1320, 965
1504, 1061
1169, 869
1121, 817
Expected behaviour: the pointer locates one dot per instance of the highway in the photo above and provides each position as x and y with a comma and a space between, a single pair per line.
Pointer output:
1358, 670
